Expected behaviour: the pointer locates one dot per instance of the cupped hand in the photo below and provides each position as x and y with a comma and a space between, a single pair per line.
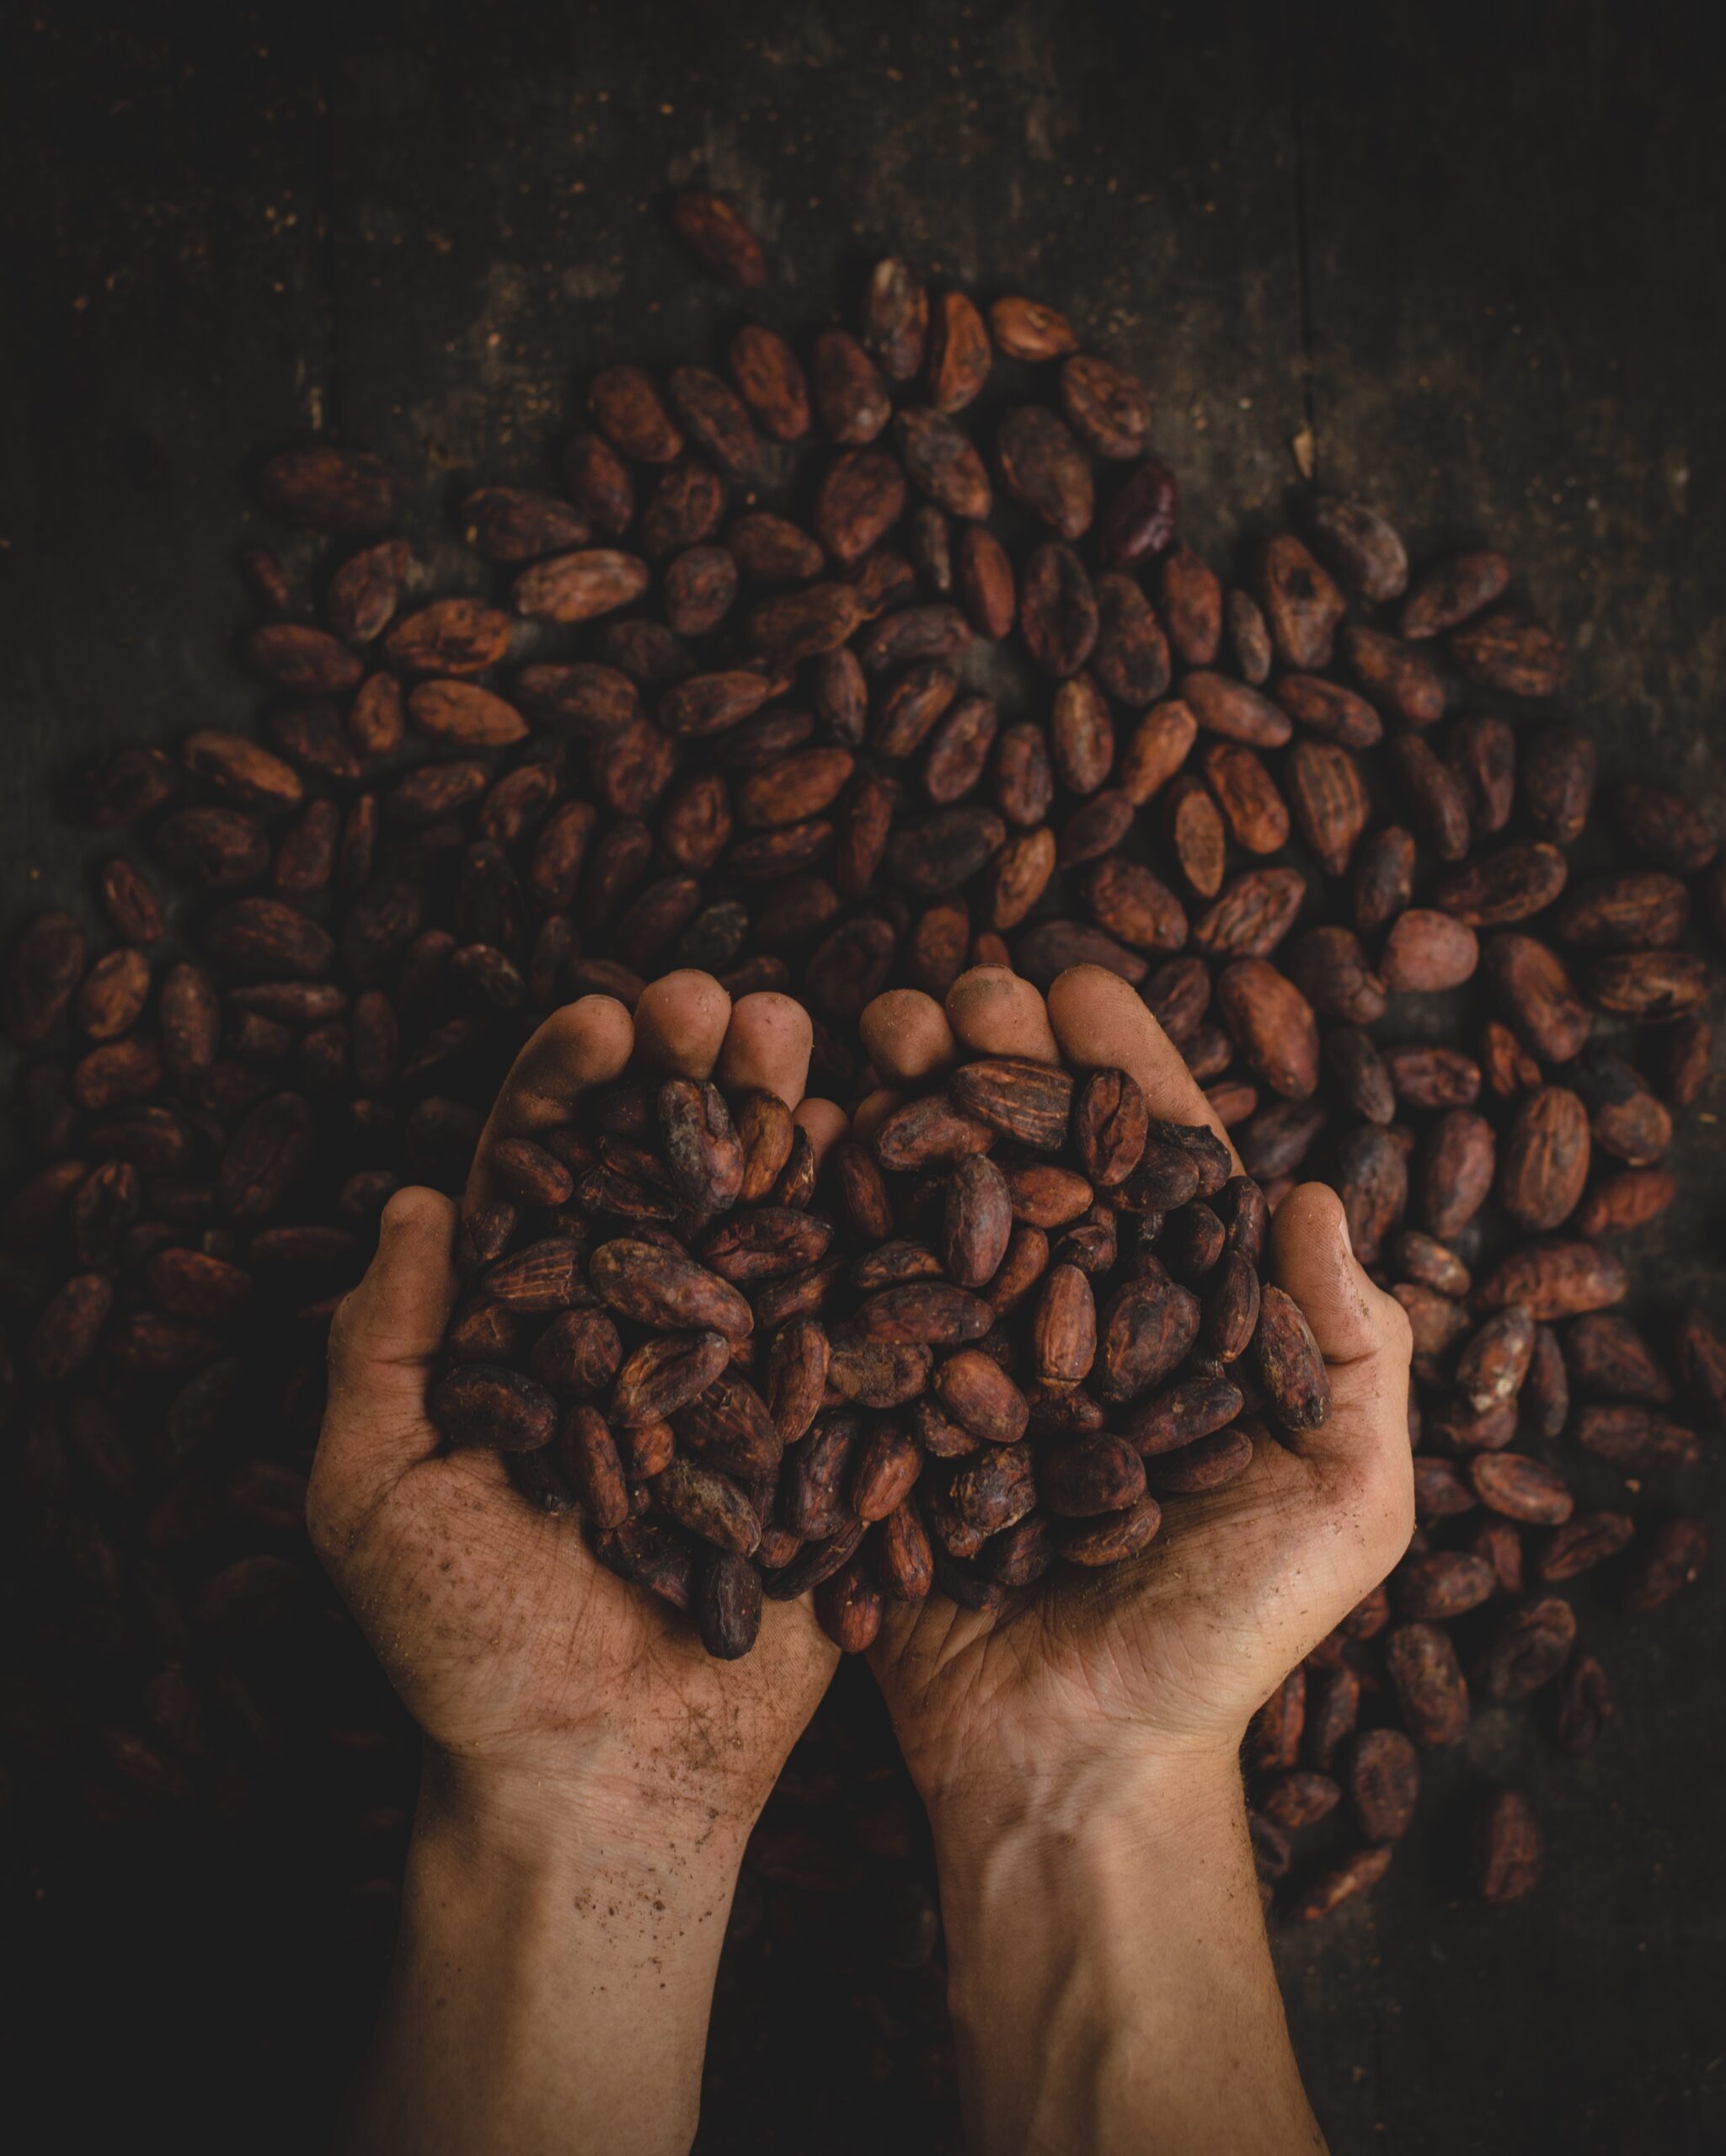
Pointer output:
521, 1657
1078, 1682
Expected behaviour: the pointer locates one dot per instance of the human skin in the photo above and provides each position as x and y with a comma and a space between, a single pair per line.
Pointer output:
591, 1775
1109, 1977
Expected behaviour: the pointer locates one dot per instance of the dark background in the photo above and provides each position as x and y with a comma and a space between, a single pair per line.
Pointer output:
1473, 256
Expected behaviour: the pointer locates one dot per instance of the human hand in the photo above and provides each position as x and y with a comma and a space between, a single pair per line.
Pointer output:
538, 1677
591, 1774
1088, 1690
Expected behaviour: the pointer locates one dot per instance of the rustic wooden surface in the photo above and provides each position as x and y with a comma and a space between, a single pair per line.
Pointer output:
1473, 255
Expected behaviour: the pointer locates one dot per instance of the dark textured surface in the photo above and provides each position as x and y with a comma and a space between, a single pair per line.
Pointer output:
1477, 255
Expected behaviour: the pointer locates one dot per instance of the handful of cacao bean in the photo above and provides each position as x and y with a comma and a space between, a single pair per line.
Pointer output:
1061, 1323
1034, 1312
617, 1280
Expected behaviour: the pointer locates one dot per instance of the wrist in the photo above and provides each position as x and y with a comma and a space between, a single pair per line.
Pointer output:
600, 1812
1040, 1819
555, 1964
1108, 1975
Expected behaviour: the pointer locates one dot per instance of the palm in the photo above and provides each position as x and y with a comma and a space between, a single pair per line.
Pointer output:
1180, 1646
507, 1638
1233, 1592
529, 1644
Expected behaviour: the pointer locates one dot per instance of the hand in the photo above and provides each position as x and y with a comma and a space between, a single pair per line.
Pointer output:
591, 1774
1085, 1677
516, 1651
1108, 1975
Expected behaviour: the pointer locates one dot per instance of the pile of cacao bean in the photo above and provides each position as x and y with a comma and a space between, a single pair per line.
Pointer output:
831, 680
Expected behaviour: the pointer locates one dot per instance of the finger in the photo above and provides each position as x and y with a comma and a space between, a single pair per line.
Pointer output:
586, 1043
1312, 1259
1103, 1024
388, 1333
767, 1047
1361, 1451
680, 1024
907, 1036
826, 1122
872, 1111
995, 1012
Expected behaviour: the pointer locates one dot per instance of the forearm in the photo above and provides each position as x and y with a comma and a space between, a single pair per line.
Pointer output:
552, 1980
1110, 1980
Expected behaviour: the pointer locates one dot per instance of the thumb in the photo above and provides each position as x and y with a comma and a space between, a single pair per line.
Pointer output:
387, 1334
1312, 1259
1362, 1454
